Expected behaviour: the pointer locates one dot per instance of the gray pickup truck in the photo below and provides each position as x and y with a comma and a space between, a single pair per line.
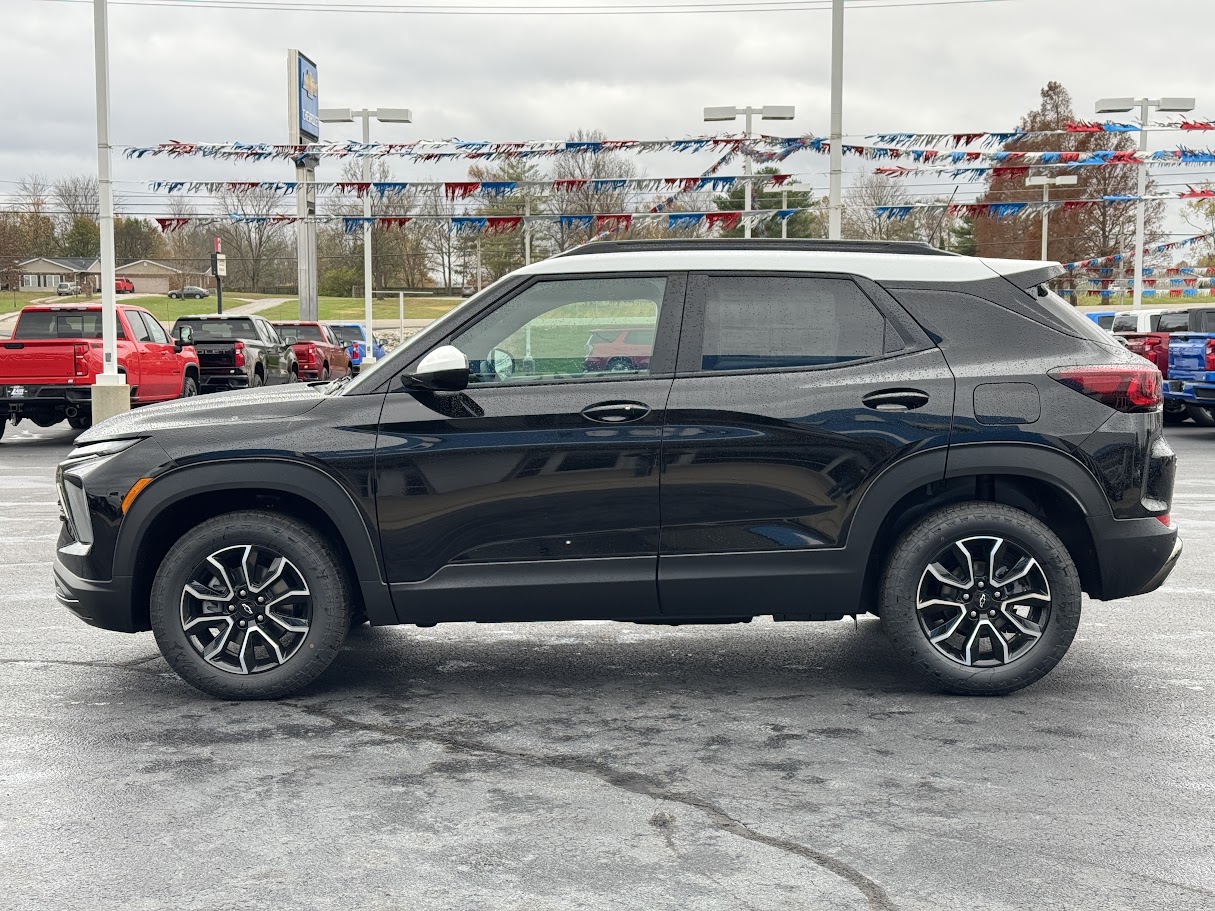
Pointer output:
237, 352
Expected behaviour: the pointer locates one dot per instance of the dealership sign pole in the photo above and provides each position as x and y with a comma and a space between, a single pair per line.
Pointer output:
304, 126
110, 395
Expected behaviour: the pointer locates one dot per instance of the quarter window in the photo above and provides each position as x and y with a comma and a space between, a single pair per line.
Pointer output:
763, 322
567, 329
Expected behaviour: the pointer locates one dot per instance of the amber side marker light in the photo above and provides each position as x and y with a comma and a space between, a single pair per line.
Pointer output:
136, 490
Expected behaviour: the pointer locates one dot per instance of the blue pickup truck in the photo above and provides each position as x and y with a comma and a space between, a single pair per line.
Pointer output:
1192, 375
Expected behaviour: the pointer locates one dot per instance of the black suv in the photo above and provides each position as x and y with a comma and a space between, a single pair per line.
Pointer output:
821, 429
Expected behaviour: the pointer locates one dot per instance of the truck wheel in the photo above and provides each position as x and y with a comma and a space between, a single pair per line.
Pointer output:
1201, 415
258, 379
251, 605
189, 387
982, 597
3, 424
80, 422
1174, 412
325, 373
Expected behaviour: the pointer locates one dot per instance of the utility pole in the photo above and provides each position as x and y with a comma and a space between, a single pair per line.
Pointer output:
1046, 183
835, 212
219, 268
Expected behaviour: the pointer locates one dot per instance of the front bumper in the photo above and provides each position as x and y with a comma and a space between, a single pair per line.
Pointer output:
102, 604
1134, 556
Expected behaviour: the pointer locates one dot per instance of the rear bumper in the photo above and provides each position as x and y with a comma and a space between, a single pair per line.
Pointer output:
42, 398
106, 605
224, 381
1134, 556
1192, 393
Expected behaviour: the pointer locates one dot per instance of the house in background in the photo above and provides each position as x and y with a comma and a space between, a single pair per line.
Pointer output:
45, 272
151, 277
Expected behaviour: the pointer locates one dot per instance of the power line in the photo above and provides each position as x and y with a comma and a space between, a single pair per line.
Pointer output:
657, 9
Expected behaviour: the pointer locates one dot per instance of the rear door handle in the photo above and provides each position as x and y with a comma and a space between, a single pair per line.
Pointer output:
896, 399
615, 412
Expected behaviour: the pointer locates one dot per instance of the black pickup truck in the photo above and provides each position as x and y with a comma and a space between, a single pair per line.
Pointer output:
237, 352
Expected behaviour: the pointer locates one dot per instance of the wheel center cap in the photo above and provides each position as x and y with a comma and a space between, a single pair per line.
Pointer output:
246, 610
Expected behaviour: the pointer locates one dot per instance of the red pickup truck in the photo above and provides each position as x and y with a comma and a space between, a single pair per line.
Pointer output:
54, 356
320, 352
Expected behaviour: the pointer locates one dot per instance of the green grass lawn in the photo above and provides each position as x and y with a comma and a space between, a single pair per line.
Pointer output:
350, 308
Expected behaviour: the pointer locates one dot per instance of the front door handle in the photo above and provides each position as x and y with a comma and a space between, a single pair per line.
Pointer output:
615, 412
896, 399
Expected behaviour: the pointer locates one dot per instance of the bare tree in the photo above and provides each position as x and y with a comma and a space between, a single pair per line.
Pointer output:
258, 250
76, 196
863, 222
399, 258
582, 197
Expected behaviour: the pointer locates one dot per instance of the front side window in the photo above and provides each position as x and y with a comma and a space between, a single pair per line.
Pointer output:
764, 322
156, 332
569, 329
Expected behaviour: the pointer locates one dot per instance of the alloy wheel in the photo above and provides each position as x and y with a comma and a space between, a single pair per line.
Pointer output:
983, 601
246, 609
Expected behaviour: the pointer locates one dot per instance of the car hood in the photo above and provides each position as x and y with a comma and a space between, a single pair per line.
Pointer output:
228, 408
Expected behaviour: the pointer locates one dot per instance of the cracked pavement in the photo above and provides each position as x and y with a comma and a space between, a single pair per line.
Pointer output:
603, 766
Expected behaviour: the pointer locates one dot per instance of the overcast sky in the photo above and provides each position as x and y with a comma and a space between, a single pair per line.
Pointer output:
220, 74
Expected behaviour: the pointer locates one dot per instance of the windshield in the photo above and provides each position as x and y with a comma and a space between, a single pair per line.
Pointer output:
214, 330
367, 377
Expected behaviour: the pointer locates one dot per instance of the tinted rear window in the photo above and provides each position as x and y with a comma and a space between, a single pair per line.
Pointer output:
1106, 322
301, 333
47, 324
1126, 322
349, 333
208, 330
1173, 322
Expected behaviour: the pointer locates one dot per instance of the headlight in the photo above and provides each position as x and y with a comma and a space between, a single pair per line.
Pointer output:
73, 475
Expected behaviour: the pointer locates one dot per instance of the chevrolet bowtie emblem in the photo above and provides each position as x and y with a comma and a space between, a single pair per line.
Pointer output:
310, 85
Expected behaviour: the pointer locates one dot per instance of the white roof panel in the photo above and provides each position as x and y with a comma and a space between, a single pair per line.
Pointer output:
876, 266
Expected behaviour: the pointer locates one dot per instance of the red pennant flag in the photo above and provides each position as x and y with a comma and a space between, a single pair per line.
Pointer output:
565, 185
168, 225
502, 224
461, 190
724, 220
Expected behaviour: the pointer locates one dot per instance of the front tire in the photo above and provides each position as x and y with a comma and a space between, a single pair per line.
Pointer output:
1201, 415
251, 605
189, 387
983, 598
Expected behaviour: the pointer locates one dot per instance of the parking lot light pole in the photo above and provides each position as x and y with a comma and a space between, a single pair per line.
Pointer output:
110, 395
1121, 106
384, 115
767, 112
1046, 183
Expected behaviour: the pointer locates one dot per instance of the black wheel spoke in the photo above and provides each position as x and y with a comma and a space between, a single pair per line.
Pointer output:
984, 601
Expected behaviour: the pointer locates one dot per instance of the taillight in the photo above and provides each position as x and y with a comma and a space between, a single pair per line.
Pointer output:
80, 352
1210, 354
1165, 520
308, 355
1123, 388
240, 354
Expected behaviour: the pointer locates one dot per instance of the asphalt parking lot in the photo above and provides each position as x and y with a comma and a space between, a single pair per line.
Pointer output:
602, 766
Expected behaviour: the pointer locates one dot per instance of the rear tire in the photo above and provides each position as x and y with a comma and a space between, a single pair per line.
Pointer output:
1175, 412
308, 628
1023, 591
80, 422
1201, 415
258, 379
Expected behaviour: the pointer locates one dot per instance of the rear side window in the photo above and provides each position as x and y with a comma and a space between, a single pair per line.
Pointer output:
764, 322
1126, 322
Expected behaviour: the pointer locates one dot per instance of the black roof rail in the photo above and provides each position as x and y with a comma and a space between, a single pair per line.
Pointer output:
797, 245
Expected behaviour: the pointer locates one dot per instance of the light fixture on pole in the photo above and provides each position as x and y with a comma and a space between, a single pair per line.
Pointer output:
1065, 180
110, 394
1121, 106
383, 115
767, 112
